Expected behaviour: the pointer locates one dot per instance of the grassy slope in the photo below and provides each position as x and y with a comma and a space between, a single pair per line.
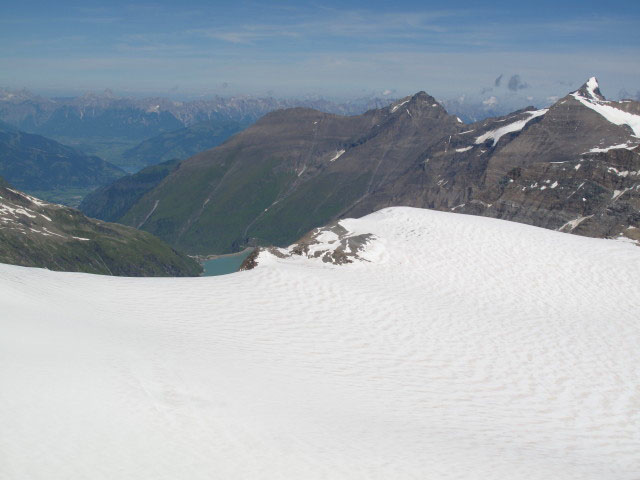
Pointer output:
235, 214
218, 225
112, 201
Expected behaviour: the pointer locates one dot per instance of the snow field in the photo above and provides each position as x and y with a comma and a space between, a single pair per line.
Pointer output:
467, 348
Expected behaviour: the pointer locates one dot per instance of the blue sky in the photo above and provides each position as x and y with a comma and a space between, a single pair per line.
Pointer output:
329, 48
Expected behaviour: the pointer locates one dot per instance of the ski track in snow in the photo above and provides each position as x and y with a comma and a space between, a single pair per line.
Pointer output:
466, 348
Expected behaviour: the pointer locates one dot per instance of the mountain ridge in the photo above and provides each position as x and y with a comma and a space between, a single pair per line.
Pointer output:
298, 169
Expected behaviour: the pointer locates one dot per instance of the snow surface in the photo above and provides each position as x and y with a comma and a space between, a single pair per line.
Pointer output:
571, 225
33, 200
464, 149
512, 127
337, 155
396, 107
626, 145
592, 84
10, 214
464, 348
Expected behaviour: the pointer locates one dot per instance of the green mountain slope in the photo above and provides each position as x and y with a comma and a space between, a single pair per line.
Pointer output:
38, 234
292, 170
111, 202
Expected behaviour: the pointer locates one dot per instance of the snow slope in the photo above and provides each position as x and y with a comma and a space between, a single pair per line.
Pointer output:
466, 348
498, 133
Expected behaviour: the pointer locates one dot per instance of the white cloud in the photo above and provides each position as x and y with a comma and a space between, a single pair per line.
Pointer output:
491, 101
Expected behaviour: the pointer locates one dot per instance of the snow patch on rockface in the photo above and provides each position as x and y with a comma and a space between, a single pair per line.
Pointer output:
498, 133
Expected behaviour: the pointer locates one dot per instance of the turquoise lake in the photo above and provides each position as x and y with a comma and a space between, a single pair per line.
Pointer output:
224, 265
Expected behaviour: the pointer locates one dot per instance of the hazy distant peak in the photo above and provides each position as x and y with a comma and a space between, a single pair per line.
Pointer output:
591, 90
421, 100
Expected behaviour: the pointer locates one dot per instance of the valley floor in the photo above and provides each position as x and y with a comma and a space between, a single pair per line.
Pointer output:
467, 348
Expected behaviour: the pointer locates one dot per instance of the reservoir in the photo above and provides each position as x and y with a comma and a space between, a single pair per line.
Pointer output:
225, 264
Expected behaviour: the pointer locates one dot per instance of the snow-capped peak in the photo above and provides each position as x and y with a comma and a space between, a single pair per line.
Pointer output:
589, 95
591, 90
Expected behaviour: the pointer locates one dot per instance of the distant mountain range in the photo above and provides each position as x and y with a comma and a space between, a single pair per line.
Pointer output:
107, 125
34, 233
43, 166
96, 111
572, 167
182, 143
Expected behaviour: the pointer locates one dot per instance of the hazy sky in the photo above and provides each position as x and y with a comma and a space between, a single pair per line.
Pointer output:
330, 48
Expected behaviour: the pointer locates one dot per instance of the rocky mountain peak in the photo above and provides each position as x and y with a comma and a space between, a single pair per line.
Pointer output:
591, 90
421, 103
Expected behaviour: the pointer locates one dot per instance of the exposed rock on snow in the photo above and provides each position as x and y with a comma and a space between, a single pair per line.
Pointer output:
332, 244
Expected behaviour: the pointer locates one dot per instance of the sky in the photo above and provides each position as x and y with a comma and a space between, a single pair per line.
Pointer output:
329, 48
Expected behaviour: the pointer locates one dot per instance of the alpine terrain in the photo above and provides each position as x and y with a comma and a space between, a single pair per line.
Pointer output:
574, 167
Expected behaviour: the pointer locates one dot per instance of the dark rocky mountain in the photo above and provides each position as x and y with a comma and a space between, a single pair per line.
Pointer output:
112, 201
576, 168
182, 143
572, 167
34, 233
40, 165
